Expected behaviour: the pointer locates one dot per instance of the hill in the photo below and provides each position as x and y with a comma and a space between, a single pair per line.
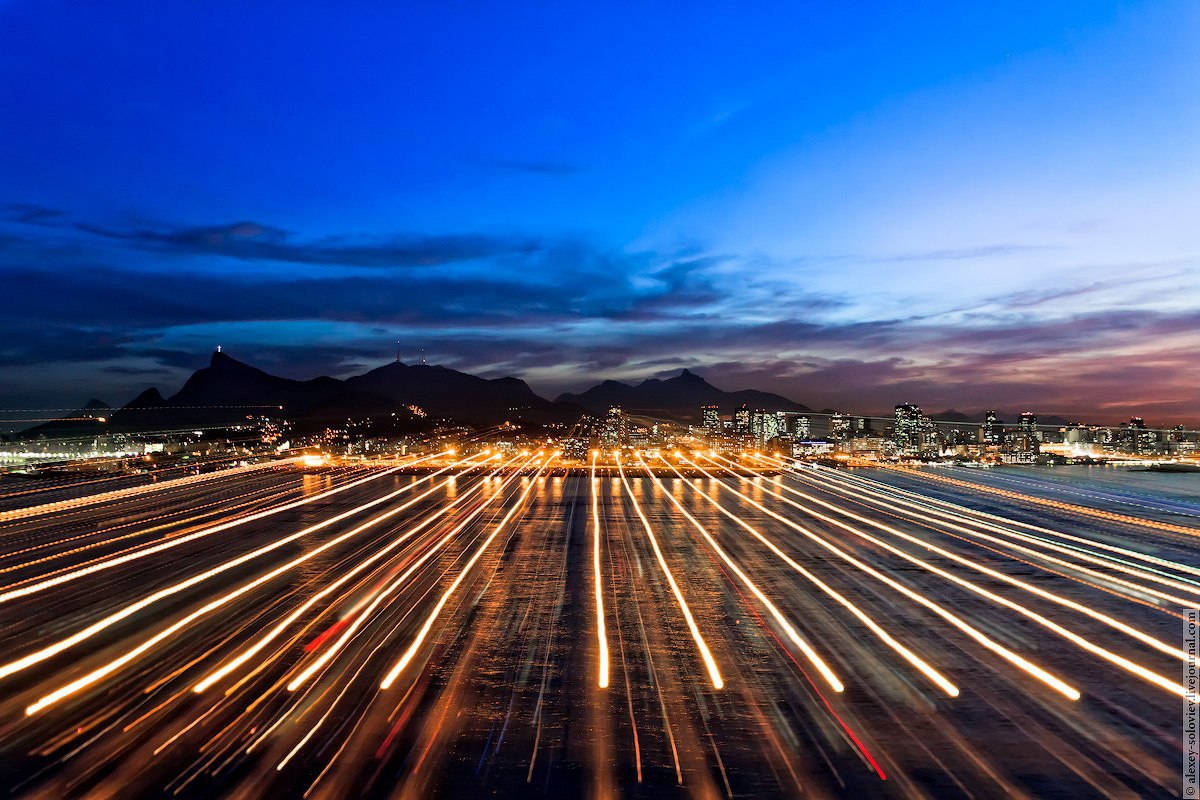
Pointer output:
680, 397
227, 391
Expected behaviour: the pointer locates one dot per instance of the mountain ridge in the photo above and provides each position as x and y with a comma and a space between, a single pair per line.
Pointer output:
679, 396
228, 390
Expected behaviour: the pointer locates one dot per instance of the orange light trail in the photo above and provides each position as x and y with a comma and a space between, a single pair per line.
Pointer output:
705, 654
601, 634
58, 580
792, 634
1080, 641
112, 619
405, 659
284, 624
1028, 666
362, 615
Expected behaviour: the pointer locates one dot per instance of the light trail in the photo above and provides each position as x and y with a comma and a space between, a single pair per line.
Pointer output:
362, 615
112, 619
236, 662
1116, 624
1042, 501
174, 521
873, 491
789, 629
470, 593
908, 655
133, 653
1080, 641
1019, 661
58, 580
396, 671
709, 662
601, 635
135, 491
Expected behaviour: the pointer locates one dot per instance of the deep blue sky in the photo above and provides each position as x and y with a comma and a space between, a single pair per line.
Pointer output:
958, 204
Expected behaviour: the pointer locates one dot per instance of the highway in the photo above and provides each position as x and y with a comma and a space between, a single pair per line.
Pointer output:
645, 625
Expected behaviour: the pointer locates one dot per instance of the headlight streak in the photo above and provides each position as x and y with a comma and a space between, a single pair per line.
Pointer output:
486, 575
363, 614
1066, 633
284, 624
398, 669
1028, 666
58, 580
830, 676
112, 619
908, 655
873, 490
601, 634
701, 645
1116, 624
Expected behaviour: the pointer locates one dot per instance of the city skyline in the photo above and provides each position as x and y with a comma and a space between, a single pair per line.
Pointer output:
962, 208
948, 416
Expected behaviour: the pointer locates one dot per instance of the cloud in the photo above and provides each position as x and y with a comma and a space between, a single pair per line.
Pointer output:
24, 343
30, 214
565, 283
965, 253
254, 241
564, 313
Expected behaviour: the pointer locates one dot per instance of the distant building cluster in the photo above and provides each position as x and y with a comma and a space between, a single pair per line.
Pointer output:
911, 434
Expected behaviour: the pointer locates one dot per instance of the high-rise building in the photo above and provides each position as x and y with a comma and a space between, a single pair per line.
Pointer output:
802, 428
764, 426
782, 427
1028, 424
710, 417
907, 429
839, 427
1077, 433
992, 429
1027, 440
615, 430
1137, 438
741, 420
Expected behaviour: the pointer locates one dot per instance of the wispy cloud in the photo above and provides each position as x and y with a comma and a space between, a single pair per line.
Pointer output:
255, 241
30, 214
564, 312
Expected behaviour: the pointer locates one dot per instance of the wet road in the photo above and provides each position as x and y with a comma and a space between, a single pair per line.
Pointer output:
477, 630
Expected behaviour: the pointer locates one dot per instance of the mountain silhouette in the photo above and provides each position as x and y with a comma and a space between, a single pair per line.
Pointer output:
227, 391
680, 396
460, 395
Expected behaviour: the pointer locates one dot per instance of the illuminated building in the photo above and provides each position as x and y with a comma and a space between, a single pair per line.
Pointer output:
764, 426
1024, 446
991, 432
839, 427
638, 436
615, 431
907, 429
741, 420
1137, 438
1077, 433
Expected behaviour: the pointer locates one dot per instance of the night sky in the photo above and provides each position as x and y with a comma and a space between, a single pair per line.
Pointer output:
855, 204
